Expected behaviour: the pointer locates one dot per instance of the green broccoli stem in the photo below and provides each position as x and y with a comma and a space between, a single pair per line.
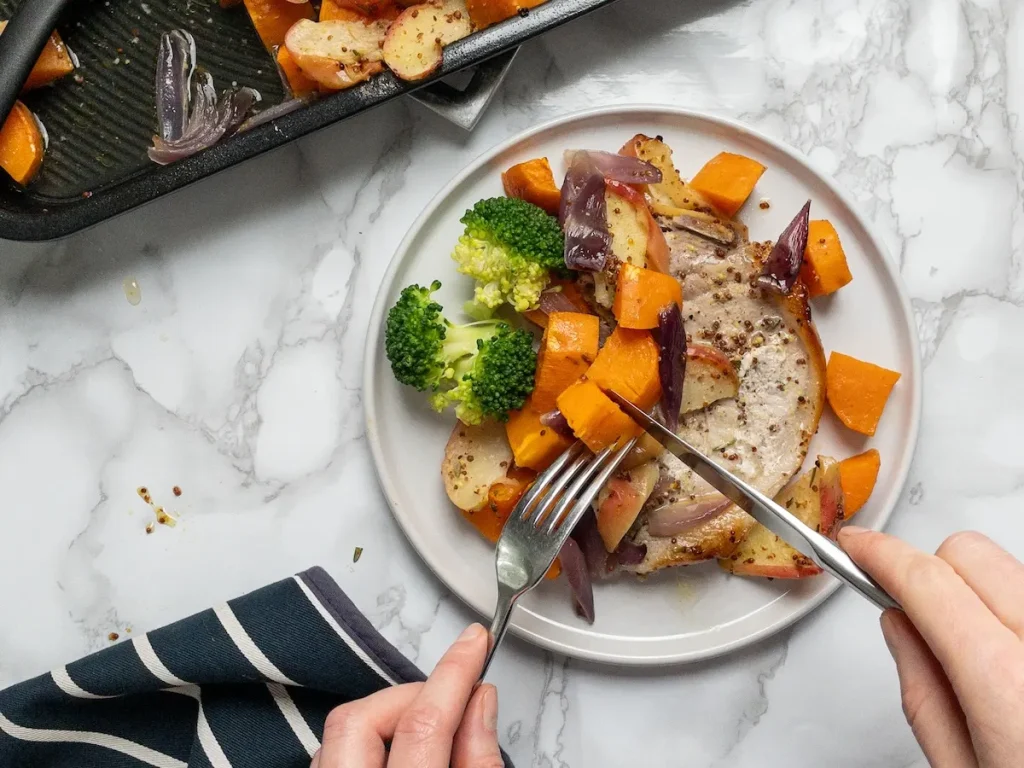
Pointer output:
462, 341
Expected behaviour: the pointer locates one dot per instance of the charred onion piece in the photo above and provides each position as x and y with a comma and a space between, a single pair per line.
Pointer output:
782, 268
628, 170
708, 227
575, 567
673, 519
557, 422
583, 215
672, 363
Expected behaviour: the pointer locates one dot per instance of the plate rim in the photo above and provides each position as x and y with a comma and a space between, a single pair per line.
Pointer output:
376, 324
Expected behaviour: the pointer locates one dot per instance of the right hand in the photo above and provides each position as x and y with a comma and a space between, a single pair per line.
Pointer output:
959, 646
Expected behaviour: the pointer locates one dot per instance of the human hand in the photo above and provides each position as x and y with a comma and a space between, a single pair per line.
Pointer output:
434, 724
959, 646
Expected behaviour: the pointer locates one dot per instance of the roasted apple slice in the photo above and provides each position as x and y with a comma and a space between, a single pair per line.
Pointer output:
414, 43
671, 190
710, 377
816, 497
337, 54
474, 459
621, 500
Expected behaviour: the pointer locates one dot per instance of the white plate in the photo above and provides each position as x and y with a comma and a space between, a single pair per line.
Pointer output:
682, 614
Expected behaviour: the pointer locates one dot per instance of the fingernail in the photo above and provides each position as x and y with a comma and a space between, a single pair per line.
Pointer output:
853, 530
471, 634
490, 707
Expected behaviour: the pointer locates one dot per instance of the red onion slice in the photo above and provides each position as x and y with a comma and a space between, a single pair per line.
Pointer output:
557, 422
628, 170
175, 65
574, 565
556, 301
671, 363
782, 268
584, 218
209, 118
673, 519
629, 554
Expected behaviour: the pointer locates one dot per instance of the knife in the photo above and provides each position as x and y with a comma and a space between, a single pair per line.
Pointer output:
776, 518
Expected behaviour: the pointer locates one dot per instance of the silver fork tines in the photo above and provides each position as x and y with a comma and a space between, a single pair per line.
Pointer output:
542, 521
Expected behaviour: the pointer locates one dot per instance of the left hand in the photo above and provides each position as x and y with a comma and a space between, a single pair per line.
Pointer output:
443, 722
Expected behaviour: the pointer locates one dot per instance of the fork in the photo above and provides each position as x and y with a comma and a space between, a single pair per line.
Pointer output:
542, 521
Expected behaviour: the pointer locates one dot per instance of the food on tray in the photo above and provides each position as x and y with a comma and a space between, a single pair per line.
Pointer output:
190, 114
483, 369
533, 182
487, 12
816, 498
22, 137
337, 54
21, 144
510, 247
299, 83
824, 270
727, 180
858, 474
858, 391
53, 63
273, 18
646, 286
415, 41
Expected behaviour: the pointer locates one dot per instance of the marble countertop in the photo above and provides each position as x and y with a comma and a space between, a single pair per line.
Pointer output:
237, 377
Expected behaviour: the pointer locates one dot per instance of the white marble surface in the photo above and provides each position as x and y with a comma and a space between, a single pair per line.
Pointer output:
238, 376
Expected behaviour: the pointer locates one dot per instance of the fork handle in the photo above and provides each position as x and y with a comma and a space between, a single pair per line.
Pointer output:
502, 614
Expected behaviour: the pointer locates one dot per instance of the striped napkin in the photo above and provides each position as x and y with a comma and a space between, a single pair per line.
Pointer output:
248, 683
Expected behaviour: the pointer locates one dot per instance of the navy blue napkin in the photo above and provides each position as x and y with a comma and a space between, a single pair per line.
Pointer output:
248, 683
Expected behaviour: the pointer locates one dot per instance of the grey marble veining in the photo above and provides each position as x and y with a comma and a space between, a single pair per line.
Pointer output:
238, 376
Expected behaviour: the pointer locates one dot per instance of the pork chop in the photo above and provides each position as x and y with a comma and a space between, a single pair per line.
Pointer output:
763, 433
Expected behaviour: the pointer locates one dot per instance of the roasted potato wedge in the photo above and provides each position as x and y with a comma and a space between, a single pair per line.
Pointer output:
337, 53
628, 227
474, 459
816, 497
414, 44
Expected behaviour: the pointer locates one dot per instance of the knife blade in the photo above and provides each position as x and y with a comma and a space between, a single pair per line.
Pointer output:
772, 516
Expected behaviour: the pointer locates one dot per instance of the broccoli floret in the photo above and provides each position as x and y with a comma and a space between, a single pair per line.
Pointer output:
483, 369
509, 247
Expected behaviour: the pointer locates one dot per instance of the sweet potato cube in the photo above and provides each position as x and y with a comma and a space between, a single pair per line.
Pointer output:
534, 445
53, 63
533, 182
300, 84
273, 18
727, 181
858, 474
566, 352
858, 391
627, 364
21, 145
824, 270
641, 294
594, 418
484, 13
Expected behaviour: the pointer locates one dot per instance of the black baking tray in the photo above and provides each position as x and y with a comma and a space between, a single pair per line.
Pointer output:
101, 121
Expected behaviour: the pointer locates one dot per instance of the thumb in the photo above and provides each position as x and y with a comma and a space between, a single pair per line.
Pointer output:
476, 741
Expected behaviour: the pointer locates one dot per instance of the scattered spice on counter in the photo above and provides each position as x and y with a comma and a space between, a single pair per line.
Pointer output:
176, 490
163, 517
765, 204
113, 636
357, 554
